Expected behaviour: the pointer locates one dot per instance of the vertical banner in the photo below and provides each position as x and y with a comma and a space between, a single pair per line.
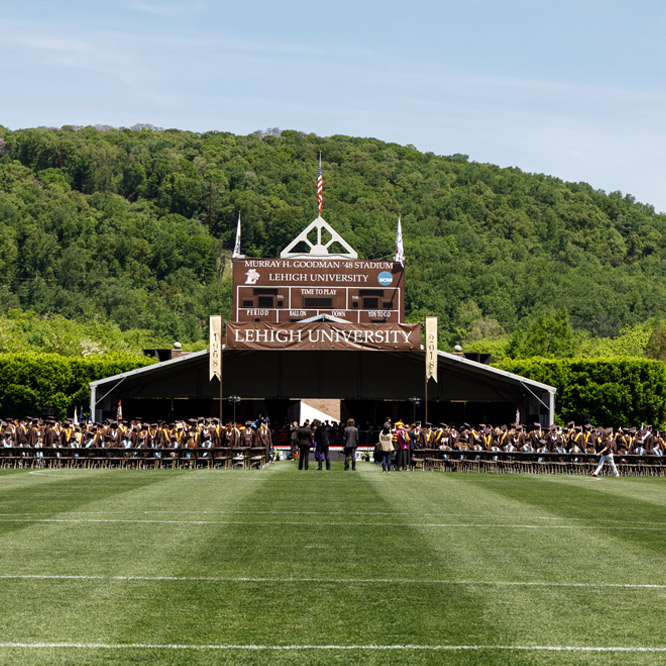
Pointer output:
431, 347
215, 363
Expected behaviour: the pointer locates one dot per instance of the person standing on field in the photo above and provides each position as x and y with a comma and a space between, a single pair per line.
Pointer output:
386, 447
305, 442
401, 441
321, 436
349, 444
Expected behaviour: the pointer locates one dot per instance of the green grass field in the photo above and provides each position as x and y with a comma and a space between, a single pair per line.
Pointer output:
278, 567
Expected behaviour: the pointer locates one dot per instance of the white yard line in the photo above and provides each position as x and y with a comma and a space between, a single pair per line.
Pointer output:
323, 580
203, 512
293, 648
221, 512
348, 523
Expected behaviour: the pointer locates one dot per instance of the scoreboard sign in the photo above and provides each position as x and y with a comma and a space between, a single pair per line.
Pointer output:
283, 291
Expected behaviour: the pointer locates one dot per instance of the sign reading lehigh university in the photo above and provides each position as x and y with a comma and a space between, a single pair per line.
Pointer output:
323, 335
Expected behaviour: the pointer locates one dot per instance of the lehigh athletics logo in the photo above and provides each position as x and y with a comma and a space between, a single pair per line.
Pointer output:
385, 278
251, 276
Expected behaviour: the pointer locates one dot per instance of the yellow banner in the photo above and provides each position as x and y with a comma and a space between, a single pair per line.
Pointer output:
431, 347
215, 363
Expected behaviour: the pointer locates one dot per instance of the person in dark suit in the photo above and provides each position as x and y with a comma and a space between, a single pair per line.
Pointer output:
349, 443
321, 436
305, 441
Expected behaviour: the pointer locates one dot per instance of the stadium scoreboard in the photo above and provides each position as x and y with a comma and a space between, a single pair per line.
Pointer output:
285, 291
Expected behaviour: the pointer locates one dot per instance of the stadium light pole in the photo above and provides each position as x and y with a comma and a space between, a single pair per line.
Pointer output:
415, 402
234, 400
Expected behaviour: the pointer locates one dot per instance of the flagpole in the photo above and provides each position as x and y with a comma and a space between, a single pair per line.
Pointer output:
320, 187
426, 400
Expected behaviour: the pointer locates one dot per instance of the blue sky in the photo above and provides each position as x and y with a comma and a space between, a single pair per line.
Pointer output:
574, 89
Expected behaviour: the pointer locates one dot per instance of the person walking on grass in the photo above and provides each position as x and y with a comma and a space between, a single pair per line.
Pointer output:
604, 446
386, 447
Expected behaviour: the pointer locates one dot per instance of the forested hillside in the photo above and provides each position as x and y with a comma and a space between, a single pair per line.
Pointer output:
113, 226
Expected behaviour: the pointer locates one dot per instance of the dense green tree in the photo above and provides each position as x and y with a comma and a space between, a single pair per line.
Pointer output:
112, 225
550, 336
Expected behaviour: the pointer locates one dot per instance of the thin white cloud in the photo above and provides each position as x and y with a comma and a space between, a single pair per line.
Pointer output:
113, 56
169, 10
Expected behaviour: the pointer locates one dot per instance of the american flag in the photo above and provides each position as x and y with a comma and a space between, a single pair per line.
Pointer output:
320, 201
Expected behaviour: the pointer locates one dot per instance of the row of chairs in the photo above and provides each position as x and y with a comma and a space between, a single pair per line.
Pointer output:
256, 457
133, 458
535, 463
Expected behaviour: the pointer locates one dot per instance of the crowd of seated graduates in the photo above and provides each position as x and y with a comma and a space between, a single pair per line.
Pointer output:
570, 439
572, 449
209, 433
201, 433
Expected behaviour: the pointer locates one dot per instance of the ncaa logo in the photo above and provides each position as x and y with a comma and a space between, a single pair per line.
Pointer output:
385, 278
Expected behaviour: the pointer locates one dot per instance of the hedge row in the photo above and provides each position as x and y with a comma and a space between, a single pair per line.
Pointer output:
618, 392
34, 384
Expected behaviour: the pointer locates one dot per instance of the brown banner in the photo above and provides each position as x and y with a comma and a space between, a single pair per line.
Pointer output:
323, 335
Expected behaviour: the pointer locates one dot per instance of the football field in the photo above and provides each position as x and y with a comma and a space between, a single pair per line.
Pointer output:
277, 566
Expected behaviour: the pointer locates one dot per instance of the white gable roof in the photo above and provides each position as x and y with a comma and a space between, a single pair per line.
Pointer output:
318, 249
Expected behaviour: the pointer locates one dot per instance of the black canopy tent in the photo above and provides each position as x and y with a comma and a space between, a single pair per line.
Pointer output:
364, 380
